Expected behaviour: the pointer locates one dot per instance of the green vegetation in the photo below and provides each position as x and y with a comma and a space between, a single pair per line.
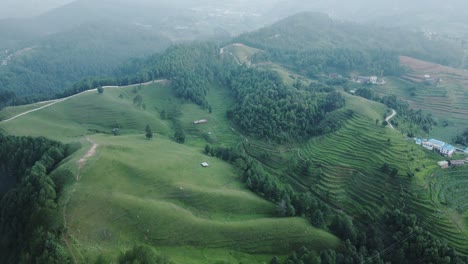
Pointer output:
277, 111
462, 138
446, 103
319, 44
145, 193
61, 60
269, 162
30, 223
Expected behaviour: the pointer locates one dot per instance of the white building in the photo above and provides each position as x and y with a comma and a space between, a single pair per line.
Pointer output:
436, 144
447, 150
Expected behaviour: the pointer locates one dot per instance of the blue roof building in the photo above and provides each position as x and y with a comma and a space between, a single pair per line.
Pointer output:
447, 150
466, 150
436, 142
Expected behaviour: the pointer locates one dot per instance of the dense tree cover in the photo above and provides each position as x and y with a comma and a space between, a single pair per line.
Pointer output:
268, 109
462, 138
48, 67
190, 67
18, 154
30, 223
316, 41
7, 98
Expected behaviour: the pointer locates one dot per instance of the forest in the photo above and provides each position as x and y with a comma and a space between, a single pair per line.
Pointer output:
267, 109
45, 68
30, 223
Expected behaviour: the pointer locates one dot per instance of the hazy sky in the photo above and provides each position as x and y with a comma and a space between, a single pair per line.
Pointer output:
27, 8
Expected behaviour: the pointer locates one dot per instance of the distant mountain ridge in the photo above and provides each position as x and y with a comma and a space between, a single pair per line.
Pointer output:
312, 31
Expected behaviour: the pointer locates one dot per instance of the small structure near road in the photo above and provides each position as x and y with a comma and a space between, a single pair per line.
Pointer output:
204, 164
443, 164
368, 80
457, 162
201, 121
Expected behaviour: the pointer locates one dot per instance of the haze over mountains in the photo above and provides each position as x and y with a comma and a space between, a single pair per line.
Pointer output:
238, 131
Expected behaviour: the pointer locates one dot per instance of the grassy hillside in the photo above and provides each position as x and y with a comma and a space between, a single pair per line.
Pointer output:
155, 191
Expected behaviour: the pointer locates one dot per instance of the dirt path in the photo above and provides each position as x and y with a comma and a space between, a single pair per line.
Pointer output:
66, 98
91, 152
81, 163
390, 117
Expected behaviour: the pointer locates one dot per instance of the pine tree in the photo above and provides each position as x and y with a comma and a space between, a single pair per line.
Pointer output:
149, 132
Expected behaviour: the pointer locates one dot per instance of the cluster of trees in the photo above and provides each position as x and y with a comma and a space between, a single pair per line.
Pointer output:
405, 113
7, 98
139, 254
462, 138
268, 109
30, 223
411, 116
190, 67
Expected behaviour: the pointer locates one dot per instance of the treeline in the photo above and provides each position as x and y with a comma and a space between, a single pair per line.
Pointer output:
314, 62
403, 240
462, 138
30, 223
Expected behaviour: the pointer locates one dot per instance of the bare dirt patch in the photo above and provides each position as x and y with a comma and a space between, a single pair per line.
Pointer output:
91, 152
437, 70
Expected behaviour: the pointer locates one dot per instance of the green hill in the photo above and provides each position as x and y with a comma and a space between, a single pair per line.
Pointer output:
155, 191
301, 144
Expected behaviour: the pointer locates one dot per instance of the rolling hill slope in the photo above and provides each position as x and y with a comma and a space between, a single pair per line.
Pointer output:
155, 192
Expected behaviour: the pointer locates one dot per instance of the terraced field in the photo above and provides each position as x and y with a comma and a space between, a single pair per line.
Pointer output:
346, 172
447, 101
448, 192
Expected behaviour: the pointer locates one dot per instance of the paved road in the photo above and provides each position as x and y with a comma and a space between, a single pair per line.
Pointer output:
390, 117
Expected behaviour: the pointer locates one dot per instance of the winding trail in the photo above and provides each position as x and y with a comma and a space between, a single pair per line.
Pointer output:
91, 152
81, 163
390, 117
52, 102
